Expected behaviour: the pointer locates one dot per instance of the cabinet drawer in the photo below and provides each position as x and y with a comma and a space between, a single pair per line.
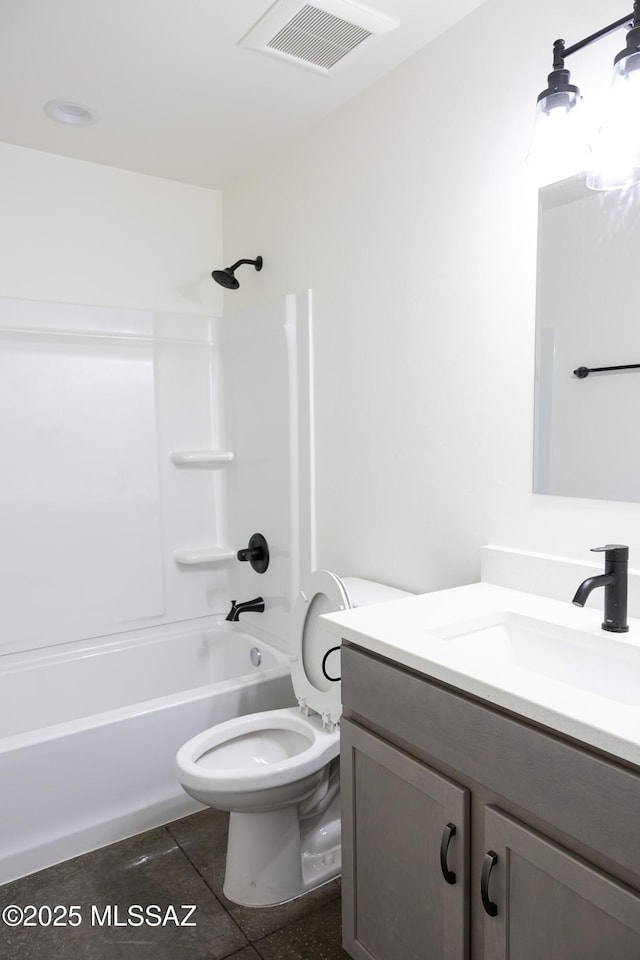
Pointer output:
582, 794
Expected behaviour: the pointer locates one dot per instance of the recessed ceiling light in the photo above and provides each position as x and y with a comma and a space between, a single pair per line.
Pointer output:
66, 111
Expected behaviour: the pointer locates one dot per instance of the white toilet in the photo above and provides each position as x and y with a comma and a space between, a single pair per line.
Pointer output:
278, 771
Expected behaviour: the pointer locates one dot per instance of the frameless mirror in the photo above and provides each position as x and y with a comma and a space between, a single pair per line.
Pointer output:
586, 440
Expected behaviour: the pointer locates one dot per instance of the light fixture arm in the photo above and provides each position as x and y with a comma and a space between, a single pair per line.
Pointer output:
560, 52
561, 143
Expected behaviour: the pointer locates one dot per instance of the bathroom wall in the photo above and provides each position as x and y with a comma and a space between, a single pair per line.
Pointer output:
78, 232
107, 365
110, 361
412, 215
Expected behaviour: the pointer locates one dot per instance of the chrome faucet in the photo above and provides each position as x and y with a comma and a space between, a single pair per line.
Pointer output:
248, 606
614, 581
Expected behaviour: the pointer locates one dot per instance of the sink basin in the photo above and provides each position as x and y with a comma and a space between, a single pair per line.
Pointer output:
596, 664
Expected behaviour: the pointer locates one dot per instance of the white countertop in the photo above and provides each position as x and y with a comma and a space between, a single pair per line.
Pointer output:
403, 632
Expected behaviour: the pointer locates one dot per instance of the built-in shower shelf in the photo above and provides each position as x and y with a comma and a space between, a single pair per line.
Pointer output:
198, 458
203, 555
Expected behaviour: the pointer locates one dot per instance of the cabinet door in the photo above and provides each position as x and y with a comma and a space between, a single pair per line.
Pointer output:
558, 905
404, 828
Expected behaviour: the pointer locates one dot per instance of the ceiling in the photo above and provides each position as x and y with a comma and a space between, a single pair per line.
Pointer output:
176, 95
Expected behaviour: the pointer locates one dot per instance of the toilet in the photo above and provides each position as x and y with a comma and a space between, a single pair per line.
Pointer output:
277, 771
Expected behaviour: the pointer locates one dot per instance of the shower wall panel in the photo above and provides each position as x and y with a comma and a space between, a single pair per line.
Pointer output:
92, 402
266, 357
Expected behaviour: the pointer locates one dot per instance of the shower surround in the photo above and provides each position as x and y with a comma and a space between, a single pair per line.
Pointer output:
140, 452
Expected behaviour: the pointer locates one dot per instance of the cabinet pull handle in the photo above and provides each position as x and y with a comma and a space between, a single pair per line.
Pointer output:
448, 832
490, 860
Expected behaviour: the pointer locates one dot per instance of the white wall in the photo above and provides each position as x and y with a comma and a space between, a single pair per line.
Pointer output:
412, 216
106, 366
77, 232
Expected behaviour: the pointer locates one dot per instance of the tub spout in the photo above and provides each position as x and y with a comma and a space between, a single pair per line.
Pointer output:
247, 606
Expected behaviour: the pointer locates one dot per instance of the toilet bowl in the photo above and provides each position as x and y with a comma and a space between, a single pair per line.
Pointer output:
277, 771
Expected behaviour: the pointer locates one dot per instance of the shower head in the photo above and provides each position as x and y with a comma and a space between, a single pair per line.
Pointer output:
226, 277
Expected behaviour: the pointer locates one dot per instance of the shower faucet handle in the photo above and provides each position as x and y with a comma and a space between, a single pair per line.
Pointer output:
257, 553
249, 553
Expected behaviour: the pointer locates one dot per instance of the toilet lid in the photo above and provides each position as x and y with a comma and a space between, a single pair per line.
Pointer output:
313, 661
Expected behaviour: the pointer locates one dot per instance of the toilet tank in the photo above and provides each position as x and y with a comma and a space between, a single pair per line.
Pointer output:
363, 592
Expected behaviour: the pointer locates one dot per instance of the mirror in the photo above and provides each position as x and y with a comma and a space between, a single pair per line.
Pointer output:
586, 441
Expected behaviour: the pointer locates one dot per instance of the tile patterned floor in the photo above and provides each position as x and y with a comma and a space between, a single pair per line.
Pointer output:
181, 863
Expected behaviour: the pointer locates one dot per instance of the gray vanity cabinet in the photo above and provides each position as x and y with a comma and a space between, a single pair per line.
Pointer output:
558, 905
408, 827
546, 848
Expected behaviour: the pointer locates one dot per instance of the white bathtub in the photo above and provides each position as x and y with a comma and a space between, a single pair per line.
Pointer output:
88, 736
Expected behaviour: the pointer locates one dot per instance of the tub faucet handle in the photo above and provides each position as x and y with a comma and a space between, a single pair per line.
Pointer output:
257, 553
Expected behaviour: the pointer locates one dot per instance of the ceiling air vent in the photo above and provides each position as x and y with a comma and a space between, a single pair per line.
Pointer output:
316, 36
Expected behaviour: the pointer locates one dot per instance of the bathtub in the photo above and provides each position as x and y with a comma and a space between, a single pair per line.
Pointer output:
88, 736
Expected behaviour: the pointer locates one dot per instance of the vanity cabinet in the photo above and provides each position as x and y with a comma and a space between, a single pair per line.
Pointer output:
402, 818
558, 905
469, 833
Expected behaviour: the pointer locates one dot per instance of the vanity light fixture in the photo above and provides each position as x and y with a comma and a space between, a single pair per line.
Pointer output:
560, 143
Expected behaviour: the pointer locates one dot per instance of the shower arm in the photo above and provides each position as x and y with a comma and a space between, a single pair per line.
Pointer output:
239, 263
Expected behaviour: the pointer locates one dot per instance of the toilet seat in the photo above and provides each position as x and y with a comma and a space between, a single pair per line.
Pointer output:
315, 658
305, 749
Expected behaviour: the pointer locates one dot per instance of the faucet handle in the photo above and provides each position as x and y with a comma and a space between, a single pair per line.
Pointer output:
613, 551
257, 553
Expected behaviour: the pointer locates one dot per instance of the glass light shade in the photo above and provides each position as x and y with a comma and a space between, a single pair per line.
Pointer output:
559, 143
617, 153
